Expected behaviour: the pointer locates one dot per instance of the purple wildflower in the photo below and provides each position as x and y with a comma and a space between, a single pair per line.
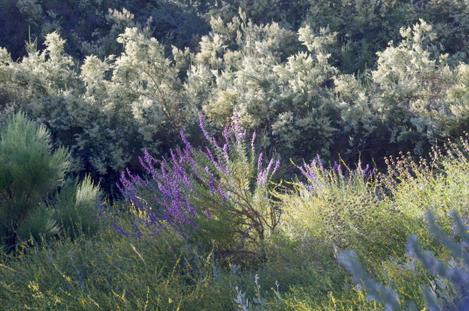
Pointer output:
259, 161
185, 141
338, 168
367, 172
202, 125
276, 167
211, 182
137, 232
264, 174
308, 170
239, 131
166, 194
120, 230
148, 162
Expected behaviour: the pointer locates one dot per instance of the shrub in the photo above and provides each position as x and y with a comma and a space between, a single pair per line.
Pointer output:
438, 181
105, 111
275, 79
77, 208
30, 170
284, 84
31, 174
219, 195
344, 207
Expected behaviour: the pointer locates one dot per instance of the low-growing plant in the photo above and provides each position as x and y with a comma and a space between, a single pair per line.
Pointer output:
438, 181
77, 208
344, 207
455, 271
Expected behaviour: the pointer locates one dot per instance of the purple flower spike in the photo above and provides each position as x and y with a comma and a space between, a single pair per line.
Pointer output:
276, 167
120, 230
169, 194
337, 167
240, 133
259, 162
187, 145
202, 125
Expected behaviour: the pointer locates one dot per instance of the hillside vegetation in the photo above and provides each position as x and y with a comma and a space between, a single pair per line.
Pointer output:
234, 155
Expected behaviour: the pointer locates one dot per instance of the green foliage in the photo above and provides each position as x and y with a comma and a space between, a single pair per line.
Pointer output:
77, 208
351, 79
345, 207
437, 182
30, 170
288, 84
436, 298
109, 273
347, 211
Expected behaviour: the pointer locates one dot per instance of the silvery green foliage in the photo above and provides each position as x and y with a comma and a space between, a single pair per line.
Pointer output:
256, 303
141, 85
284, 84
375, 290
458, 94
107, 110
240, 300
274, 79
77, 208
456, 271
411, 98
280, 82
412, 81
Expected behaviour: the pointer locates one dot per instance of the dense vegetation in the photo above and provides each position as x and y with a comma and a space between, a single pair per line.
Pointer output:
224, 155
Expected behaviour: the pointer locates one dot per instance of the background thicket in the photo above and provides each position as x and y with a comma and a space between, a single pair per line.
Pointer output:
110, 78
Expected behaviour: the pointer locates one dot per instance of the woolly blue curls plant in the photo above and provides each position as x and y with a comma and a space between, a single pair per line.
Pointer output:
217, 194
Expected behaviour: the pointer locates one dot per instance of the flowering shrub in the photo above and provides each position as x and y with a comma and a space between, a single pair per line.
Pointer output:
219, 194
107, 111
275, 79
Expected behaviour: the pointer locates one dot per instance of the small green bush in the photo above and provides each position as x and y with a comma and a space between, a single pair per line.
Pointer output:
344, 209
77, 208
31, 173
30, 170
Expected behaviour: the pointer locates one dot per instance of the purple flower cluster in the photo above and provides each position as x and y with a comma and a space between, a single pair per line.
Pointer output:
165, 195
263, 174
316, 168
310, 170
